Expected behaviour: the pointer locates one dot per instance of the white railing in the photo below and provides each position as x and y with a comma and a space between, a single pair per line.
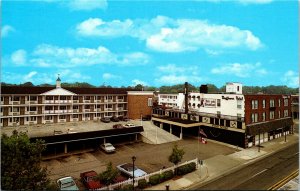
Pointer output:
62, 120
87, 110
75, 110
147, 176
16, 102
48, 121
99, 101
87, 101
75, 119
16, 113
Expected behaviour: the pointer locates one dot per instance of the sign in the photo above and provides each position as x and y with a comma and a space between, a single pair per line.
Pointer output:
166, 113
227, 98
239, 98
184, 116
209, 102
194, 117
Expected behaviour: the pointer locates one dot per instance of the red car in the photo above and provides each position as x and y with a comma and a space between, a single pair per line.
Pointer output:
89, 181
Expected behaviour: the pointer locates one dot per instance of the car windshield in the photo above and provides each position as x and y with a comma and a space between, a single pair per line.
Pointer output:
67, 184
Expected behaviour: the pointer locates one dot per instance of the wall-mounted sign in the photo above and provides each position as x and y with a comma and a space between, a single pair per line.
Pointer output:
194, 117
227, 98
166, 113
184, 116
239, 98
207, 102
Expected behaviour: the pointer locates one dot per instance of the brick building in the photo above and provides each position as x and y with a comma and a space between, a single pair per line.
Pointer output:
41, 105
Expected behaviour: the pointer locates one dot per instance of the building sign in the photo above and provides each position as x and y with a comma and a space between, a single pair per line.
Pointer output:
227, 98
184, 116
208, 102
239, 98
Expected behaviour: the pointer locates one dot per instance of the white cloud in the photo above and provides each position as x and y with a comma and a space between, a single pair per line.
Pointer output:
240, 70
165, 34
6, 29
46, 55
246, 2
172, 74
108, 76
136, 82
19, 57
291, 78
87, 5
28, 77
71, 76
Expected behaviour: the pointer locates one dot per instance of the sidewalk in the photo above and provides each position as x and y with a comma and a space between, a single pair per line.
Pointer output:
219, 165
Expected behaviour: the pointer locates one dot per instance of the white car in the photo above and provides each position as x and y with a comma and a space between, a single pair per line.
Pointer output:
67, 183
108, 147
129, 125
127, 169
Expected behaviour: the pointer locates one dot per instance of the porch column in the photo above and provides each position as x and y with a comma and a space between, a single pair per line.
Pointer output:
170, 129
180, 132
66, 148
104, 140
161, 125
136, 137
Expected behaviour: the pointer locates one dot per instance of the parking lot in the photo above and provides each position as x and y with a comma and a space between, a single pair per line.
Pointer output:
149, 157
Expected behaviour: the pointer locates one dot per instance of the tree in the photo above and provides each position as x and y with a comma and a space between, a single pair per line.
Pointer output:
139, 87
176, 155
20, 163
108, 176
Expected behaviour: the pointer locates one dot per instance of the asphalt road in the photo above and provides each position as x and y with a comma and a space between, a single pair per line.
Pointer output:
260, 175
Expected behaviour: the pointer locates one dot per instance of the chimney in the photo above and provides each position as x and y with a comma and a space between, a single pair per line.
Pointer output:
203, 89
186, 94
58, 82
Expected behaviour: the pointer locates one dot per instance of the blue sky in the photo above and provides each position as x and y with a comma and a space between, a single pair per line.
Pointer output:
155, 43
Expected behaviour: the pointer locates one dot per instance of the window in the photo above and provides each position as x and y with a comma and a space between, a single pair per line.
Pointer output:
254, 104
286, 113
109, 106
239, 117
264, 116
2, 98
62, 117
254, 117
239, 104
75, 97
62, 107
109, 97
49, 98
272, 114
33, 98
31, 108
238, 88
272, 103
264, 103
15, 109
279, 103
87, 97
219, 102
286, 102
75, 106
16, 98
32, 118
48, 117
278, 114
219, 114
150, 102
63, 98
75, 116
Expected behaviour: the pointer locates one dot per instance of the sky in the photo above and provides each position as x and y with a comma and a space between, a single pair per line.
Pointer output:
154, 43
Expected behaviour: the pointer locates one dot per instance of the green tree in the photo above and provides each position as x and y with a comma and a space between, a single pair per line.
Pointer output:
176, 155
139, 87
108, 176
20, 163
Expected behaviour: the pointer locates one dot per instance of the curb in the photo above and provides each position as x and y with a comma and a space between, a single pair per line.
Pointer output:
236, 168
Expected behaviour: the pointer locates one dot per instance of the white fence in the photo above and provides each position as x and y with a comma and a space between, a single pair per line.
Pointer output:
146, 177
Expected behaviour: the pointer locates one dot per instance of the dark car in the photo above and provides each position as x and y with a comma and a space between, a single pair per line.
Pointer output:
118, 126
123, 118
105, 119
114, 119
146, 118
88, 179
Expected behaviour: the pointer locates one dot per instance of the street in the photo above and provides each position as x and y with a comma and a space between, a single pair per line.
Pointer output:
260, 175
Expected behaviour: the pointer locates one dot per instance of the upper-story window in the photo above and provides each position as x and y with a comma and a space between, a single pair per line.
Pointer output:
279, 114
219, 102
286, 113
109, 97
33, 98
16, 98
272, 103
264, 103
279, 102
272, 114
254, 117
264, 116
239, 104
286, 102
75, 97
150, 104
87, 97
63, 98
254, 104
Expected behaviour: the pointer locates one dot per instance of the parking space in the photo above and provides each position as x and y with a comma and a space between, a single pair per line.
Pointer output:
149, 157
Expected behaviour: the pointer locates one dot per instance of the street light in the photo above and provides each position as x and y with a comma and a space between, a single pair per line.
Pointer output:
133, 159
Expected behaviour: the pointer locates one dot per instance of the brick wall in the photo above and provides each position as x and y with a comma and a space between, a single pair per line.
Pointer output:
138, 105
267, 109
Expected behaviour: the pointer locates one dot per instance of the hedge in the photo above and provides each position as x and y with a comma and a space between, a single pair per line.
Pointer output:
167, 175
127, 187
154, 179
142, 184
187, 168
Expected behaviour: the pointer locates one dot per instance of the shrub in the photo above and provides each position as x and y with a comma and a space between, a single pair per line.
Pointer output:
167, 175
142, 184
154, 179
127, 187
187, 168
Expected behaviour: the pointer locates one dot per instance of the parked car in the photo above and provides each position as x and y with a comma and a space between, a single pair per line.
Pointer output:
129, 125
88, 179
127, 169
118, 126
67, 183
105, 119
146, 118
114, 119
123, 118
108, 147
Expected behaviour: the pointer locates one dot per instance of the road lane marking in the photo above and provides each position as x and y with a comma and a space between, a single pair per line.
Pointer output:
285, 180
259, 173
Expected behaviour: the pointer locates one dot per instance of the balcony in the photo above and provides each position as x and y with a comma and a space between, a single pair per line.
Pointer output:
75, 110
120, 100
98, 101
86, 101
87, 110
16, 113
31, 112
75, 101
56, 101
108, 109
15, 102
49, 101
